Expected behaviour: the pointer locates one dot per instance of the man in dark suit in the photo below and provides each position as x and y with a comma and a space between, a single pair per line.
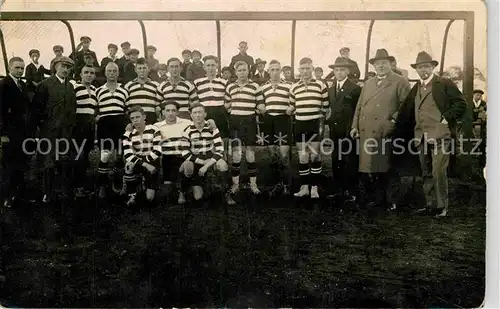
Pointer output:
15, 127
55, 102
343, 97
432, 109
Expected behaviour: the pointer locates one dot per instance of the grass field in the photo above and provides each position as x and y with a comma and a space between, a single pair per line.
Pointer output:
262, 253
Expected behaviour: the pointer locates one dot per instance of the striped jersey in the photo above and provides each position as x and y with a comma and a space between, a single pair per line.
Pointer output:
243, 99
201, 144
138, 147
276, 97
310, 101
86, 100
183, 93
211, 92
171, 135
111, 103
145, 95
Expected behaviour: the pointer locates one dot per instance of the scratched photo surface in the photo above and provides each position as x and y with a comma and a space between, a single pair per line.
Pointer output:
272, 226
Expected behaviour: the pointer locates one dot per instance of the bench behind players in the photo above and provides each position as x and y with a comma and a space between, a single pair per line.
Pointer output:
202, 148
141, 151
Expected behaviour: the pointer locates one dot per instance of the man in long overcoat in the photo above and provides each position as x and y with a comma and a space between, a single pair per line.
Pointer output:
373, 123
431, 111
55, 101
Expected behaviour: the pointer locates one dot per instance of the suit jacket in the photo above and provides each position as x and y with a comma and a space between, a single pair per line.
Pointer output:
342, 106
55, 103
450, 101
259, 79
377, 106
15, 110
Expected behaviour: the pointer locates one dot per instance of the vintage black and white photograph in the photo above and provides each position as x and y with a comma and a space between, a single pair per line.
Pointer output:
233, 154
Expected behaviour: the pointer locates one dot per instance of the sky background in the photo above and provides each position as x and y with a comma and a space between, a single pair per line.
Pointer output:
268, 40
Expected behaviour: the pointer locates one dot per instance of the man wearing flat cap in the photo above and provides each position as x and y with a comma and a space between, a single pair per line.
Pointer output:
35, 72
261, 76
343, 97
55, 103
129, 68
83, 48
125, 46
111, 57
152, 62
432, 109
354, 72
373, 124
58, 52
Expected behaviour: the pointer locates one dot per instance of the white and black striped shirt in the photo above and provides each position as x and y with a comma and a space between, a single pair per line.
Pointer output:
145, 95
211, 92
86, 100
171, 135
310, 101
111, 103
201, 144
183, 93
243, 99
138, 147
277, 97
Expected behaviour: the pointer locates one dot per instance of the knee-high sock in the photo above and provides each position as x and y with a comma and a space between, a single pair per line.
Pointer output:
103, 173
304, 174
235, 172
131, 181
252, 172
316, 170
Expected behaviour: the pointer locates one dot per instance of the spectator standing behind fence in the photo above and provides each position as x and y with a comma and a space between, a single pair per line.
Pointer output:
479, 122
58, 52
55, 101
129, 68
125, 46
432, 108
15, 126
354, 72
242, 56
186, 62
35, 72
82, 49
261, 76
195, 70
152, 62
373, 124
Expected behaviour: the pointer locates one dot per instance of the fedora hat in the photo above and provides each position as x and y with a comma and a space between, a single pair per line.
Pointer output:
424, 57
340, 62
380, 55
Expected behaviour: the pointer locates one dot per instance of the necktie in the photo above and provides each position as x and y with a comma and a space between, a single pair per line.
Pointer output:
338, 87
19, 85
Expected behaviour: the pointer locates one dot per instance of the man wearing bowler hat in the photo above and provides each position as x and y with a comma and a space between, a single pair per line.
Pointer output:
343, 97
373, 124
432, 108
55, 103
